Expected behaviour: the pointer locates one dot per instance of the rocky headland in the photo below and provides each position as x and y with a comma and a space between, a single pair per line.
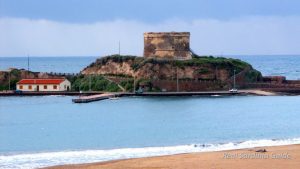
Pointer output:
199, 73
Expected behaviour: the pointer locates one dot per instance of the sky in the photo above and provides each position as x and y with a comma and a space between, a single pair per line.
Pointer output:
95, 27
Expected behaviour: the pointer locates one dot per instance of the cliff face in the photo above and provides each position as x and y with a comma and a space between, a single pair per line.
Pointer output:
110, 67
198, 69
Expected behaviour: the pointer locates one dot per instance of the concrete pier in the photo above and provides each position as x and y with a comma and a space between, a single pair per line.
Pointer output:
97, 97
91, 98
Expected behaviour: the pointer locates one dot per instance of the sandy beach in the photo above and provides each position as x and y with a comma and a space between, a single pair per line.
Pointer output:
278, 157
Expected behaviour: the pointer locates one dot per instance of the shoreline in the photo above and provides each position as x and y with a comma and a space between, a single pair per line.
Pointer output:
70, 159
286, 156
242, 92
253, 91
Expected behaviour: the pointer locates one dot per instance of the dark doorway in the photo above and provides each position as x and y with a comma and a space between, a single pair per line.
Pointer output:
37, 88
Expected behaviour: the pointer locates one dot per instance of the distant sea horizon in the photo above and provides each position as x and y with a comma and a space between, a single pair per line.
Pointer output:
269, 65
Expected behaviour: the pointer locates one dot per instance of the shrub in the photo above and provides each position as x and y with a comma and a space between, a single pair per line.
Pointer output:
98, 83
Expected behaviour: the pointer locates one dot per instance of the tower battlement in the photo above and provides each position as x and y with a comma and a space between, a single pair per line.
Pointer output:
167, 45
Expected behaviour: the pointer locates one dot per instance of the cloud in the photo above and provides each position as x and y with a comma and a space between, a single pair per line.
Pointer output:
247, 35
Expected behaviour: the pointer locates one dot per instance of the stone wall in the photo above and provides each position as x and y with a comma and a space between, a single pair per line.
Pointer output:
167, 45
188, 85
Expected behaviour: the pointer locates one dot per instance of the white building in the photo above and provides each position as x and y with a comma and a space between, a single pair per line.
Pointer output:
44, 85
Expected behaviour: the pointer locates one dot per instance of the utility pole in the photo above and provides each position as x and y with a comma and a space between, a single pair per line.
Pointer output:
79, 84
119, 48
9, 80
90, 82
133, 83
28, 63
234, 78
27, 66
177, 82
216, 73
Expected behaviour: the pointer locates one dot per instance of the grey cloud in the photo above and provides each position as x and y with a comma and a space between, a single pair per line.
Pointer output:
248, 35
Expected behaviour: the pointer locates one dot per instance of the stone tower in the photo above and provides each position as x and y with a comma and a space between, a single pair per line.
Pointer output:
167, 45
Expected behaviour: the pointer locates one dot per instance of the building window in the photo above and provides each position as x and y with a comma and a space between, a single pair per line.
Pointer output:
29, 87
65, 86
54, 87
45, 86
21, 87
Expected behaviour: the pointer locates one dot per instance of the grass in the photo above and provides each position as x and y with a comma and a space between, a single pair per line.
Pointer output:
98, 83
138, 62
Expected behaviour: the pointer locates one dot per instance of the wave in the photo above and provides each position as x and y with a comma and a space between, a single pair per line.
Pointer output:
37, 160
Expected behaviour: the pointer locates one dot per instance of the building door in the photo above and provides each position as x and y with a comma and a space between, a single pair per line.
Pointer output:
37, 88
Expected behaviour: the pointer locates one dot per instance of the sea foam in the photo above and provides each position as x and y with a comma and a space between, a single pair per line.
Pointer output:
37, 160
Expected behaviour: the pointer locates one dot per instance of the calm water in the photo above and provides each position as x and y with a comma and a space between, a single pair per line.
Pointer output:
54, 123
285, 65
51, 130
47, 64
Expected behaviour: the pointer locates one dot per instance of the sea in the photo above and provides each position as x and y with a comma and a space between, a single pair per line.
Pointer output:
275, 65
41, 131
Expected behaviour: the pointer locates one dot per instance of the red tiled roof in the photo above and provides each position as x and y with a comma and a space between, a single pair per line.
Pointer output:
40, 81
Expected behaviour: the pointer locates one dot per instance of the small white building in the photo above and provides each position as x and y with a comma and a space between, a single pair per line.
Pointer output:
49, 85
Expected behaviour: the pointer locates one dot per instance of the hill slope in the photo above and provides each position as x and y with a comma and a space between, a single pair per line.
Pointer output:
216, 72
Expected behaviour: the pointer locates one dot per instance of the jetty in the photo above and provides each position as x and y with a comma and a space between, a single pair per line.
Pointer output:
96, 97
103, 96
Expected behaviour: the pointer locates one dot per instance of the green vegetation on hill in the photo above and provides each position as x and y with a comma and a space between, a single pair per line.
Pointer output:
13, 76
138, 62
98, 83
218, 61
127, 84
253, 76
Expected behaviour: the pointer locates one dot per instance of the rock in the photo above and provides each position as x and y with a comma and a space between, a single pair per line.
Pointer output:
261, 150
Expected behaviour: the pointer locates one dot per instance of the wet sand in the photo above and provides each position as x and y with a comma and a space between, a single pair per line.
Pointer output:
278, 157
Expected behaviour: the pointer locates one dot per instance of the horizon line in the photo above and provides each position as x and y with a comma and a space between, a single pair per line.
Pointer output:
217, 55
